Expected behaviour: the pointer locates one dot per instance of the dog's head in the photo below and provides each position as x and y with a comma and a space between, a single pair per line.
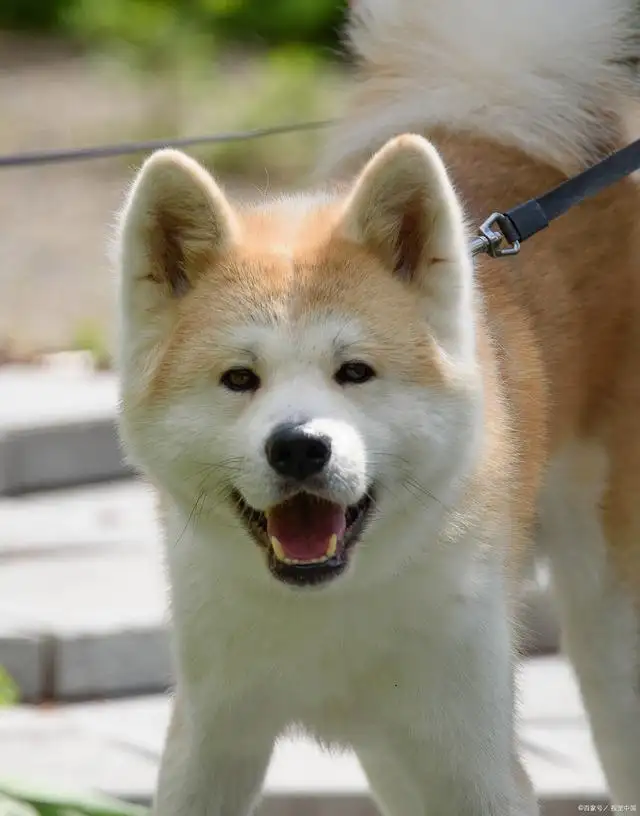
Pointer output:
305, 368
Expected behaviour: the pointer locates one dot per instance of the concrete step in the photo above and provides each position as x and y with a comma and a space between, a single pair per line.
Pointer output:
83, 595
57, 428
113, 747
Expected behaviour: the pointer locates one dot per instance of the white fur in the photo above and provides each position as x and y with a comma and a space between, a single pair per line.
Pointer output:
601, 627
413, 673
536, 74
407, 657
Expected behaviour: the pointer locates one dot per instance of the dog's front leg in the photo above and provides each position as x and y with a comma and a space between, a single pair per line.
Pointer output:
210, 769
446, 744
412, 778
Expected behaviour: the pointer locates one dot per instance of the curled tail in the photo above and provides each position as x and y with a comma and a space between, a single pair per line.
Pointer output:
553, 77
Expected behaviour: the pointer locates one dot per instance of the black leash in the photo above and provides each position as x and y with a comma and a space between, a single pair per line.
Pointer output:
37, 157
499, 236
503, 233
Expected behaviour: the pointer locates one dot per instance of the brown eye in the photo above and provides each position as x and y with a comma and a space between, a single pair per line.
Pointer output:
240, 379
354, 373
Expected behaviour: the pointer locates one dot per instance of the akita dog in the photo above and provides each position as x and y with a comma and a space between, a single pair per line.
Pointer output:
357, 431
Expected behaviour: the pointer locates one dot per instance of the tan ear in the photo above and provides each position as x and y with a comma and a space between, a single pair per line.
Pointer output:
176, 217
403, 208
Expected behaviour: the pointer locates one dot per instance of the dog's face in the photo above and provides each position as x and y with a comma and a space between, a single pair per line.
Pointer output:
306, 369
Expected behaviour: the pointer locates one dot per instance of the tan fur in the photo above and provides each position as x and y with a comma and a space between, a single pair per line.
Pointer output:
564, 323
315, 270
563, 310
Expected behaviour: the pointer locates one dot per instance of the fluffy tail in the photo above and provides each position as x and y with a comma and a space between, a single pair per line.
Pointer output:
552, 77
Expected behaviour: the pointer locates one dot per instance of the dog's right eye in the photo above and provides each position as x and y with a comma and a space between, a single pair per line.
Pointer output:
240, 379
354, 372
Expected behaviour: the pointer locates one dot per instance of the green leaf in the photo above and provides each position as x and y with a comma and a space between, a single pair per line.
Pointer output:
8, 689
9, 807
49, 802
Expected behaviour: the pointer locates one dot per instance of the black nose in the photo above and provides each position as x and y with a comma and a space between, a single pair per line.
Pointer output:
293, 453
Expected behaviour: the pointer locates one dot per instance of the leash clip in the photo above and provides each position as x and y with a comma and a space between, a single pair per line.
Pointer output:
498, 243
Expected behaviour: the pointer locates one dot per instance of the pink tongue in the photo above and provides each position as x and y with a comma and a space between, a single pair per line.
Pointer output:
303, 526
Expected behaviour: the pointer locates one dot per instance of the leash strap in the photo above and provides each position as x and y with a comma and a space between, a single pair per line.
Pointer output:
521, 222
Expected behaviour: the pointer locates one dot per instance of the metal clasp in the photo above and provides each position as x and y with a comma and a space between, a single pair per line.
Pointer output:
494, 241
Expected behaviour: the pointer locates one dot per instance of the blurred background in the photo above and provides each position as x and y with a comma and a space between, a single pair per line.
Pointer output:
84, 72
84, 655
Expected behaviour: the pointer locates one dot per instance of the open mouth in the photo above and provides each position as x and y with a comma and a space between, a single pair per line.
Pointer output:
308, 539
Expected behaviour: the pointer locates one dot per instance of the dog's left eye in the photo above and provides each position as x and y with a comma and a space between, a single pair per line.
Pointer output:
240, 379
354, 372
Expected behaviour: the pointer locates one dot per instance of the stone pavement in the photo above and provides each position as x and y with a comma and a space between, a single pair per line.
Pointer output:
113, 747
57, 426
82, 595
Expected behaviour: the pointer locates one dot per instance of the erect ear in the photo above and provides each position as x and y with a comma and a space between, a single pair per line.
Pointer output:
174, 223
176, 217
403, 208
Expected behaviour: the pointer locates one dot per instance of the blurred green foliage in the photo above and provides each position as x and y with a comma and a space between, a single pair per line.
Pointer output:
8, 689
33, 15
152, 23
31, 799
207, 66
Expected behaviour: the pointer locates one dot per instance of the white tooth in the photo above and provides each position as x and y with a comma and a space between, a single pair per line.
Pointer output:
278, 551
